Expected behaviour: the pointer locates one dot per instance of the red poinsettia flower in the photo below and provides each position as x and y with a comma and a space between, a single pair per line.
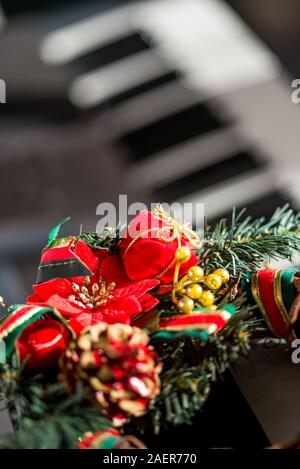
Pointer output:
107, 294
87, 301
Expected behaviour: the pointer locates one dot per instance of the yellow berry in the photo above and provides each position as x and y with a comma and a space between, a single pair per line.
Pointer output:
224, 274
185, 305
183, 254
213, 281
207, 298
194, 291
196, 274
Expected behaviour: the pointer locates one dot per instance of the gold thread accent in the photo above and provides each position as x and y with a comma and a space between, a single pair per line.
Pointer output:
158, 276
42, 266
137, 238
279, 301
171, 226
176, 227
175, 232
257, 298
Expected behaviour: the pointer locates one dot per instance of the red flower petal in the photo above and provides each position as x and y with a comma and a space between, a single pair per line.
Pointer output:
148, 302
128, 304
33, 299
112, 270
77, 323
112, 316
138, 289
58, 286
63, 306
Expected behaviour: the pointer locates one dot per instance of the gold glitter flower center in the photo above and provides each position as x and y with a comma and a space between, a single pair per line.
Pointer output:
91, 295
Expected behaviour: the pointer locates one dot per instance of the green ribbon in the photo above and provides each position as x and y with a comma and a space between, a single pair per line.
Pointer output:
287, 287
109, 442
174, 335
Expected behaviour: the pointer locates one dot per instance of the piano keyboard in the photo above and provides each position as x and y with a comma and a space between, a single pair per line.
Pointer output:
172, 93
189, 125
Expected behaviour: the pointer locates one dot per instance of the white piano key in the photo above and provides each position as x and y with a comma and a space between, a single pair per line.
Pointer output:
220, 198
96, 87
178, 161
71, 41
209, 41
152, 105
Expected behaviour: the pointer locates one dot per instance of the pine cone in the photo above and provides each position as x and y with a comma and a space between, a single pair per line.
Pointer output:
117, 364
109, 439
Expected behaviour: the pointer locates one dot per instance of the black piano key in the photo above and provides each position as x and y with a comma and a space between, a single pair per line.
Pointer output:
209, 175
16, 7
131, 44
170, 131
260, 207
36, 109
143, 88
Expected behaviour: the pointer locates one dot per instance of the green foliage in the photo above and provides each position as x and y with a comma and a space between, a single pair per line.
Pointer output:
55, 231
244, 244
107, 239
190, 366
44, 416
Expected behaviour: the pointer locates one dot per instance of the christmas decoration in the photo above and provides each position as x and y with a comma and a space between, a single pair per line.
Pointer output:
194, 289
131, 329
110, 439
273, 292
149, 246
41, 344
119, 366
87, 300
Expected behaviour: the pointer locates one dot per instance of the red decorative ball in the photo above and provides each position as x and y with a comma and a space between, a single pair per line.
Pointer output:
41, 344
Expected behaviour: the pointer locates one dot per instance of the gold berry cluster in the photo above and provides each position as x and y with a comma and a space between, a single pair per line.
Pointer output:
195, 288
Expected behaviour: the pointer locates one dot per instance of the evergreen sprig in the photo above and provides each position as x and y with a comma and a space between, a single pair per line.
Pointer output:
44, 416
190, 366
242, 245
108, 238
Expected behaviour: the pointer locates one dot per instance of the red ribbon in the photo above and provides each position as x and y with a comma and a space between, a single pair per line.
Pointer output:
266, 281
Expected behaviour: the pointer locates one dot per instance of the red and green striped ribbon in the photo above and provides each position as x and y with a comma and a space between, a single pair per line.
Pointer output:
273, 292
20, 317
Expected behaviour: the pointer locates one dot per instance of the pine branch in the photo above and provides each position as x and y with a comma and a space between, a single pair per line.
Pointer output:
107, 239
190, 367
43, 415
243, 245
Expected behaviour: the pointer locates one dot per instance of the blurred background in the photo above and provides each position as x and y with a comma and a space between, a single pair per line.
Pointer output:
163, 100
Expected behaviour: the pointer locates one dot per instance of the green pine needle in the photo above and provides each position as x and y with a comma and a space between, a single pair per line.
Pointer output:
244, 244
44, 416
